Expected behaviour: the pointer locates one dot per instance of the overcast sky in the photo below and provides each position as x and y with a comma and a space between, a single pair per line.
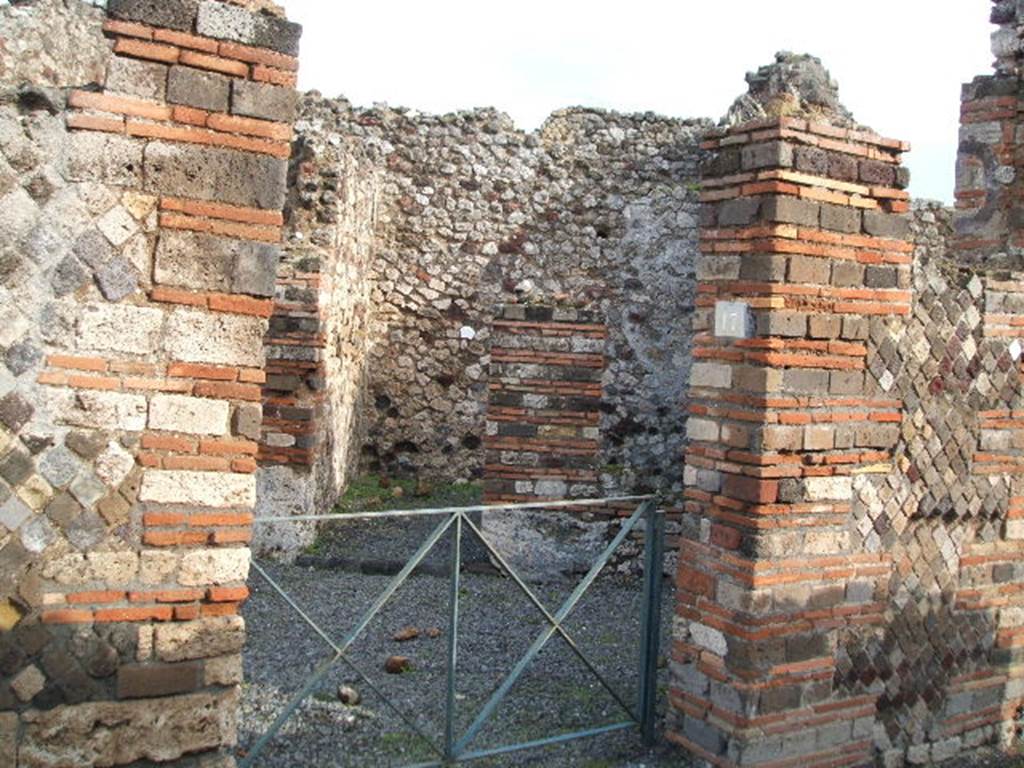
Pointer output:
899, 63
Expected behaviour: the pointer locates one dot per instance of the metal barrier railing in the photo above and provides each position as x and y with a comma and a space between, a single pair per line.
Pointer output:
455, 748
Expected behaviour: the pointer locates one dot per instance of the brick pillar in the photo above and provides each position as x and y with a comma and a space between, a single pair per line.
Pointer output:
803, 245
143, 407
543, 413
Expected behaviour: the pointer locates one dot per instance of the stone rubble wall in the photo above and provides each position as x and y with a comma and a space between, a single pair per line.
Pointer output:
142, 182
597, 211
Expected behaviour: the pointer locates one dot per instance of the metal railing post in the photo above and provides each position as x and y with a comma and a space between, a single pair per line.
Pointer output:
654, 552
453, 639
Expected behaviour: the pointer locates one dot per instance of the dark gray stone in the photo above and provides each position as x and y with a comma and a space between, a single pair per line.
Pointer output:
256, 270
840, 218
63, 510
210, 173
842, 167
228, 22
877, 172
790, 324
811, 160
799, 381
117, 279
279, 35
880, 277
774, 154
174, 14
889, 225
86, 531
143, 681
93, 249
196, 88
739, 212
847, 274
68, 276
103, 661
791, 210
88, 445
704, 735
764, 267
16, 467
22, 357
263, 101
15, 411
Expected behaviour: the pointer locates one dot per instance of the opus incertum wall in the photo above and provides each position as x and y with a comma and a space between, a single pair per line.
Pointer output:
141, 187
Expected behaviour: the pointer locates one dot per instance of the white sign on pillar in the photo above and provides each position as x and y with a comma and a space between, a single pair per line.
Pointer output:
733, 320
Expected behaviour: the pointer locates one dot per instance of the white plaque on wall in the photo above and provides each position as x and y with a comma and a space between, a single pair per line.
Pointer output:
732, 320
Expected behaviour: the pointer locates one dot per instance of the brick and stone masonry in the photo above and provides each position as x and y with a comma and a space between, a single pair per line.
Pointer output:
544, 404
849, 583
316, 392
803, 244
142, 225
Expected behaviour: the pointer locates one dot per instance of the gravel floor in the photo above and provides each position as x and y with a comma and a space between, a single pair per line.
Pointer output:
555, 695
338, 580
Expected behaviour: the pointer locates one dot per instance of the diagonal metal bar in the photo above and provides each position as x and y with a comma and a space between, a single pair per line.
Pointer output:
343, 658
289, 710
545, 635
553, 621
364, 621
547, 742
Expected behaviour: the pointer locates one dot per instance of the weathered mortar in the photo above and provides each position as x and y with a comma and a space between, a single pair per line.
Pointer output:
317, 344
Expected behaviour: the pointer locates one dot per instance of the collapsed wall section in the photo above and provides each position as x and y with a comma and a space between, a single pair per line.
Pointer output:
141, 211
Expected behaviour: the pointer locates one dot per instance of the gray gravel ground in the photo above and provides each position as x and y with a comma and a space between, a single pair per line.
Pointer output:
556, 694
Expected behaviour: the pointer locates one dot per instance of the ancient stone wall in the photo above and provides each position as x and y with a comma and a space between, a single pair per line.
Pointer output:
141, 193
316, 394
596, 211
850, 577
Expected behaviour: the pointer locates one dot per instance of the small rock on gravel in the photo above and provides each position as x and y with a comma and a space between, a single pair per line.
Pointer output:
406, 634
349, 696
396, 665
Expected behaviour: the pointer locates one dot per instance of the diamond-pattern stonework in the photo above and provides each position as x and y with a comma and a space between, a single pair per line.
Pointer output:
930, 513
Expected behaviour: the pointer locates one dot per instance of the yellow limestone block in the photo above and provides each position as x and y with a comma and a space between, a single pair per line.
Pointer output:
9, 616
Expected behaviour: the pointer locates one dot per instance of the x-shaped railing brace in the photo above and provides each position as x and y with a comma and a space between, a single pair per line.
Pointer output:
455, 751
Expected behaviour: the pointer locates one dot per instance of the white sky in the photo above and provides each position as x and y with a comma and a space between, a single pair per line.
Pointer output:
899, 63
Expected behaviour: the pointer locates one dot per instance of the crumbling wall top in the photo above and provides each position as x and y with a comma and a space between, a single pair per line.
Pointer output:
794, 85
